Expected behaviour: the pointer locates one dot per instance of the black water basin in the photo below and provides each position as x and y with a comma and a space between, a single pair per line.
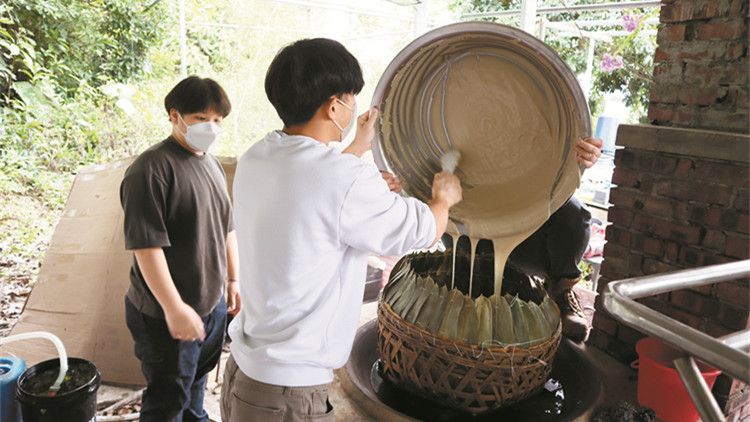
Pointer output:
572, 389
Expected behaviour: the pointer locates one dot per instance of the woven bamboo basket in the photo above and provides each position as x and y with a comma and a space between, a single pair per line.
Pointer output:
472, 378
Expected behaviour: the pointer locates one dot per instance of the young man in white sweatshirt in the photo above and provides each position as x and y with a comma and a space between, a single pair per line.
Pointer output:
306, 216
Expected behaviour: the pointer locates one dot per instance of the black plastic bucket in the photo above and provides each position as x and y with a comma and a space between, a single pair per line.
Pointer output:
73, 403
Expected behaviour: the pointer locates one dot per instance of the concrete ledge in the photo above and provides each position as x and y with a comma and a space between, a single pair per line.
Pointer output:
697, 143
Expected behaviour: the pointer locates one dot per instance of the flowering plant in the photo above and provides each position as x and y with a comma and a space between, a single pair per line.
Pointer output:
626, 65
632, 24
610, 63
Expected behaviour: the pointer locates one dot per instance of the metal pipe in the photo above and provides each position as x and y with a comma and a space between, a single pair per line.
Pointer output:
565, 9
183, 41
528, 15
602, 22
739, 340
698, 390
635, 288
336, 7
618, 300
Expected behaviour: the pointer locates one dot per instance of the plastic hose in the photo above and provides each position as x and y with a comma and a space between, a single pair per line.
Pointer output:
60, 350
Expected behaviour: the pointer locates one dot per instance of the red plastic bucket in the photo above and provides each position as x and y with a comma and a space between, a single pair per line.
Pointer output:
659, 384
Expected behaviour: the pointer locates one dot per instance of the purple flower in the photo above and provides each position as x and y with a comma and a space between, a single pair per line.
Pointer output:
631, 23
610, 63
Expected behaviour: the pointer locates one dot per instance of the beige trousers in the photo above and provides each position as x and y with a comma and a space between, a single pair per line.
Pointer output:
245, 400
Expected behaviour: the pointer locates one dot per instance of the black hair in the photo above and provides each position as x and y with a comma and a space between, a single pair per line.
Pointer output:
195, 95
306, 73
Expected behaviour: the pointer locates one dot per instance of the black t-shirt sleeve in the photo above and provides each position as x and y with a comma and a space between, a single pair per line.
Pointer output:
230, 210
143, 198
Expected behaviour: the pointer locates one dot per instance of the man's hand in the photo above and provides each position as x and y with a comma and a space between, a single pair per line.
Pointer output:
446, 187
365, 133
588, 151
234, 302
446, 192
393, 183
184, 323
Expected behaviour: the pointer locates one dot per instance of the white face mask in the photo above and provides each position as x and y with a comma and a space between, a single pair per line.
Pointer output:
347, 130
201, 136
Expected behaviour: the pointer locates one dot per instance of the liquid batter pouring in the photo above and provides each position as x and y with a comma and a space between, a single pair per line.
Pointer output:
513, 109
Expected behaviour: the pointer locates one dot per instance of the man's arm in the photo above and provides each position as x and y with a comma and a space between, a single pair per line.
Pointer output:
234, 303
182, 320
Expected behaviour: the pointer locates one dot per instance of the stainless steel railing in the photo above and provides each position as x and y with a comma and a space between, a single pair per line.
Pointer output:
729, 353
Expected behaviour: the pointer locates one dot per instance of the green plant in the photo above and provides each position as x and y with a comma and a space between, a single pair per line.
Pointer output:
587, 273
75, 42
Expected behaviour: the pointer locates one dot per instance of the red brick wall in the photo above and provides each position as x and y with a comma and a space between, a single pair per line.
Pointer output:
701, 67
681, 201
682, 195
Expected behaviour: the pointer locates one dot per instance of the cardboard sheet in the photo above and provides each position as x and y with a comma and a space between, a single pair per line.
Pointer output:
80, 292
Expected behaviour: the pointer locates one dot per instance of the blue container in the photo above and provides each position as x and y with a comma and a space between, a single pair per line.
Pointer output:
606, 130
10, 369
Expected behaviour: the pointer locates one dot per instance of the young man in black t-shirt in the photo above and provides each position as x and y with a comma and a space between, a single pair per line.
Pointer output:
179, 225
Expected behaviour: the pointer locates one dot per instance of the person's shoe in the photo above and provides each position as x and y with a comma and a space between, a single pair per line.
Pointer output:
575, 325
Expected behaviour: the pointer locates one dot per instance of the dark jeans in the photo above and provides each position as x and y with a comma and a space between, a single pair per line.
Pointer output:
175, 370
556, 248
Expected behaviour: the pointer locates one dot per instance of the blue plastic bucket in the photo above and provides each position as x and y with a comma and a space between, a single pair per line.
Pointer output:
10, 369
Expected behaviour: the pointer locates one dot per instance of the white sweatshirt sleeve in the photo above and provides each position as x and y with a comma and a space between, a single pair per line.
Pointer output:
377, 220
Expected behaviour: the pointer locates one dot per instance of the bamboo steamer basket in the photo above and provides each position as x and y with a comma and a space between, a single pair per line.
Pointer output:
472, 378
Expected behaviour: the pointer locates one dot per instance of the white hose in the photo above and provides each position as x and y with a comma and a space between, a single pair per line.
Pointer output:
58, 344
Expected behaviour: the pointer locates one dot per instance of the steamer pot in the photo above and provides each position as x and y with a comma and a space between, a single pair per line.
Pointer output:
506, 101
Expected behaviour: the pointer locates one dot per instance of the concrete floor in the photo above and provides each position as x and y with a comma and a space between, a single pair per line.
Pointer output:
618, 383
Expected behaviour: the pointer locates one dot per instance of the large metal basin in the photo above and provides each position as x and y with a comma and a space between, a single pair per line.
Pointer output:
506, 101
571, 395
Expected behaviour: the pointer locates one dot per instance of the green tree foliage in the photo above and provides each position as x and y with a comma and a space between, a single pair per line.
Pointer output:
632, 77
56, 113
75, 42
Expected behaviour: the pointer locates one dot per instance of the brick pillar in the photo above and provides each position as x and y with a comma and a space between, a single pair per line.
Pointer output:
682, 194
701, 66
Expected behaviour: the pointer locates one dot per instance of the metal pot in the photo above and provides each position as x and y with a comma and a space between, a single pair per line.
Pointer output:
506, 101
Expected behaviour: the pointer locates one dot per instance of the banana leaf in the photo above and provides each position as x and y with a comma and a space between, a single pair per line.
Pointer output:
449, 323
520, 326
430, 306
537, 323
396, 285
551, 313
399, 299
420, 298
439, 311
402, 267
442, 276
484, 319
502, 321
467, 323
402, 306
